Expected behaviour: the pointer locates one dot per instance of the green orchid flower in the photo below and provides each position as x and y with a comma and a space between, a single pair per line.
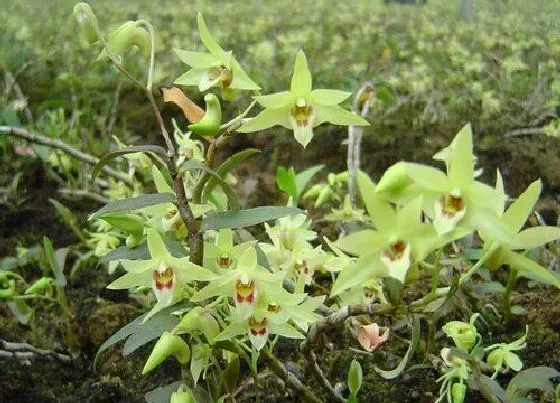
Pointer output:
302, 263
453, 198
456, 372
514, 218
463, 334
258, 326
502, 356
288, 232
222, 255
346, 213
399, 241
245, 283
217, 68
164, 273
301, 108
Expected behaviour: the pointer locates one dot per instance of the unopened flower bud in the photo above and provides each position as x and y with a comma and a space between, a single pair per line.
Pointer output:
168, 344
87, 21
458, 391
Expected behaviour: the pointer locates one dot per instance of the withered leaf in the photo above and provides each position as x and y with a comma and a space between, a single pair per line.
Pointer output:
192, 111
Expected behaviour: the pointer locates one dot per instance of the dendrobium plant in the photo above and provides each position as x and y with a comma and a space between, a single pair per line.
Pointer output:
221, 298
302, 108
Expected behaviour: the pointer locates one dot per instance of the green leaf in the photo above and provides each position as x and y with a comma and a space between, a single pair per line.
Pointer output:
21, 311
246, 218
301, 79
537, 236
231, 374
411, 349
532, 379
286, 181
233, 200
141, 252
134, 203
127, 222
303, 177
207, 38
162, 394
150, 330
517, 214
54, 265
476, 382
355, 377
127, 150
226, 167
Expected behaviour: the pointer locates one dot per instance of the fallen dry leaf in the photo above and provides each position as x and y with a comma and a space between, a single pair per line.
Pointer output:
192, 111
369, 337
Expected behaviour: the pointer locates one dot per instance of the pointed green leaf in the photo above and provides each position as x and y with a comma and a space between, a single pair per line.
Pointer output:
134, 203
286, 181
301, 79
246, 218
54, 265
226, 167
303, 177
127, 150
355, 377
518, 213
411, 349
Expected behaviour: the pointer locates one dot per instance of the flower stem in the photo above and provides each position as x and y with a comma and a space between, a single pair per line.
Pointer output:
506, 302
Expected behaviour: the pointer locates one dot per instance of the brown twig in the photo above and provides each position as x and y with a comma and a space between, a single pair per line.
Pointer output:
24, 352
289, 379
329, 322
59, 144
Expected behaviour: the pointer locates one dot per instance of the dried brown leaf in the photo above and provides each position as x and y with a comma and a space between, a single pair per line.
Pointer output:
192, 111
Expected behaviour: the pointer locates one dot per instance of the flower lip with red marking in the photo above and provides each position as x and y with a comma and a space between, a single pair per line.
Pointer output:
258, 328
245, 292
164, 278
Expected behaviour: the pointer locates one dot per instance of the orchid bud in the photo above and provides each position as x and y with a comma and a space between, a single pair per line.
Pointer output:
132, 241
324, 196
355, 377
458, 391
209, 125
87, 21
168, 344
197, 320
182, 395
129, 34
